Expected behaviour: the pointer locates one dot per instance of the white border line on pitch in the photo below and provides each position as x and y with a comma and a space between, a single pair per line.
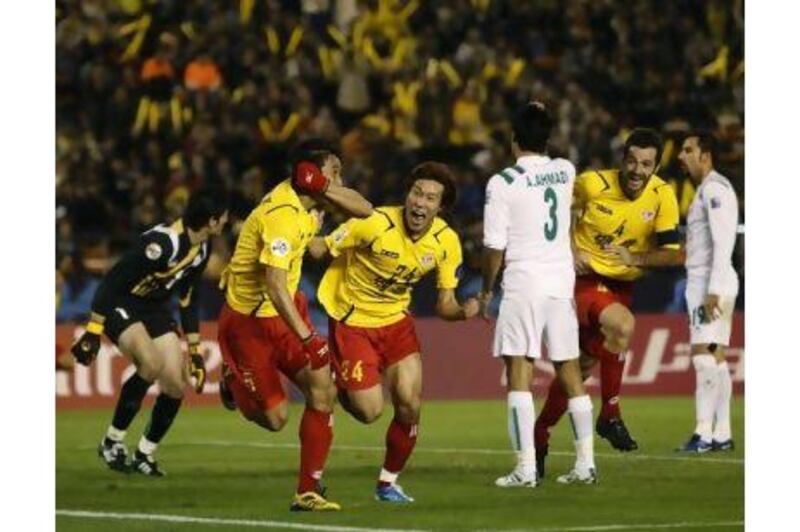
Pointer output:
645, 526
187, 519
626, 456
254, 523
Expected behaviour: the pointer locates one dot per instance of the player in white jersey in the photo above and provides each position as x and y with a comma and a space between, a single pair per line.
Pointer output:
711, 289
527, 219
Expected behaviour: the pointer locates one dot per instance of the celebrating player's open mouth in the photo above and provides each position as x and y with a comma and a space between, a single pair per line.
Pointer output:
638, 166
422, 205
418, 216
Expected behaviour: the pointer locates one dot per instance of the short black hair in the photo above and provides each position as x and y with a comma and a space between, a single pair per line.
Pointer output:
706, 141
643, 137
206, 203
440, 173
531, 125
314, 150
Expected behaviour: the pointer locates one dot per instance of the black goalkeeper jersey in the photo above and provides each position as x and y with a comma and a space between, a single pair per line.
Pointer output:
163, 262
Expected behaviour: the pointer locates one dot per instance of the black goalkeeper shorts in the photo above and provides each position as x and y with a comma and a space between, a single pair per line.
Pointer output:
155, 316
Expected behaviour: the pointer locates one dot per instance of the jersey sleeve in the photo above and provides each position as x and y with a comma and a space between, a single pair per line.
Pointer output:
496, 219
355, 233
448, 268
666, 221
150, 254
280, 235
720, 203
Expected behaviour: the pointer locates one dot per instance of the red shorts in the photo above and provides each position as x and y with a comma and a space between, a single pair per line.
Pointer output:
593, 293
360, 354
257, 350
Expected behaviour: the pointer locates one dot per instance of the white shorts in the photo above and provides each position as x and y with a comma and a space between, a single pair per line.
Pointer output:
524, 323
702, 331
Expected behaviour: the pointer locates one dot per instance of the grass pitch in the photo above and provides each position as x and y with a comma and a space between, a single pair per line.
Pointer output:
226, 474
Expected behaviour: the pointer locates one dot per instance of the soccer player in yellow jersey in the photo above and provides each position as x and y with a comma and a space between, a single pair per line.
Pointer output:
366, 291
264, 329
626, 221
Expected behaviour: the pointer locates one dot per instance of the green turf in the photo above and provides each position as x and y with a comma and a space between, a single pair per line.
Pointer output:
216, 469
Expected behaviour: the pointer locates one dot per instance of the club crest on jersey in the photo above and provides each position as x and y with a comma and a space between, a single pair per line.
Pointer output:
280, 247
427, 260
153, 251
715, 203
648, 216
340, 235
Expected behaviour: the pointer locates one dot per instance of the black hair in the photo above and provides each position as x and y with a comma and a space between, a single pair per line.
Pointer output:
314, 150
642, 137
531, 125
440, 173
706, 142
205, 204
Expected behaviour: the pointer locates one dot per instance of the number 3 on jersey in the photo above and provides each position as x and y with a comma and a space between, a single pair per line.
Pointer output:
551, 227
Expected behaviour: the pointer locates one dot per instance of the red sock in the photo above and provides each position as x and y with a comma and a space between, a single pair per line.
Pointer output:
400, 441
612, 366
316, 435
553, 409
611, 369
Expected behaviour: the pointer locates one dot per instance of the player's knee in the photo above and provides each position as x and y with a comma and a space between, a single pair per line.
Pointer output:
518, 373
367, 411
570, 376
322, 398
272, 420
148, 367
172, 387
408, 412
623, 329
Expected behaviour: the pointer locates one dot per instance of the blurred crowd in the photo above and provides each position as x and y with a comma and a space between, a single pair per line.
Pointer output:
155, 98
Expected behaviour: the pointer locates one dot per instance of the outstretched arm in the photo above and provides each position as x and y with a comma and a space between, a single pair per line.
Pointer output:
318, 248
656, 258
447, 306
348, 200
492, 262
284, 303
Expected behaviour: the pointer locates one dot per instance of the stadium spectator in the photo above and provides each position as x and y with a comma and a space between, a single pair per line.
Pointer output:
287, 71
202, 74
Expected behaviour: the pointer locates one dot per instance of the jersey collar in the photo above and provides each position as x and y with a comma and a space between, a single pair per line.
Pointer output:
533, 159
292, 197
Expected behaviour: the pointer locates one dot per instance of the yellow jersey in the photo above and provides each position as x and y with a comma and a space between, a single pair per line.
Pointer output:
608, 217
376, 264
276, 233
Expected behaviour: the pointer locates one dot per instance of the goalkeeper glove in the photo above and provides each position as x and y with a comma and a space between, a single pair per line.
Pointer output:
88, 345
197, 367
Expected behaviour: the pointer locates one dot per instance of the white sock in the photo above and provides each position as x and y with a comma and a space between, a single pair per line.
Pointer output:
580, 414
388, 476
115, 434
706, 393
521, 416
146, 446
722, 414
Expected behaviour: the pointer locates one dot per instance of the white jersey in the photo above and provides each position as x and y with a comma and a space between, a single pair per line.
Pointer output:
527, 214
711, 235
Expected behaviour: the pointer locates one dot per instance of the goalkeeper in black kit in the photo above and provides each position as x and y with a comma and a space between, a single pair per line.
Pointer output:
132, 307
